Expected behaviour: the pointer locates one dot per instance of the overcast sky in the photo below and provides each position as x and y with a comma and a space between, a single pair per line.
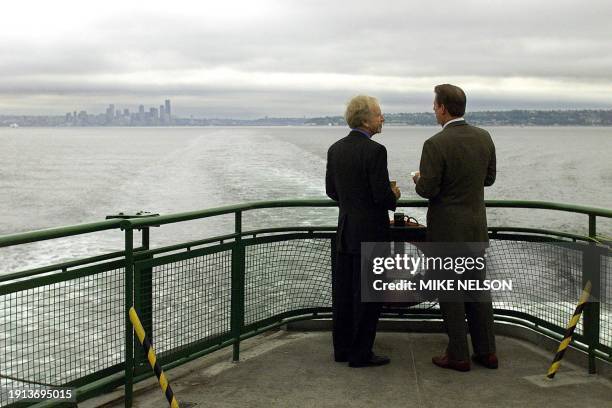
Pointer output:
253, 58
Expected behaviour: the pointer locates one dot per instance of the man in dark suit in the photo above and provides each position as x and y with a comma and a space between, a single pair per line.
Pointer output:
357, 177
456, 164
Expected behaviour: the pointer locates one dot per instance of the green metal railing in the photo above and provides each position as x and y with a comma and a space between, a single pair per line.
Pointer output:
68, 324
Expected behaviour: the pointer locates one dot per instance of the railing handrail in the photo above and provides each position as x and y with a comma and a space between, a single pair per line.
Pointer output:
211, 212
254, 205
60, 232
546, 205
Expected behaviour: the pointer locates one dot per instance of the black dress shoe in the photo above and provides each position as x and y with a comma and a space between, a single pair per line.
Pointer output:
371, 362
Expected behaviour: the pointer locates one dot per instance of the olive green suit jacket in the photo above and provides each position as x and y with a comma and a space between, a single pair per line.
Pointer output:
456, 164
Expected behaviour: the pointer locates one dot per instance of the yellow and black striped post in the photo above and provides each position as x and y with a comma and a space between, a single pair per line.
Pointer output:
150, 352
570, 331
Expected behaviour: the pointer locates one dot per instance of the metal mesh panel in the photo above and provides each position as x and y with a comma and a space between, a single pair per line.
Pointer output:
191, 301
61, 332
285, 276
548, 279
57, 333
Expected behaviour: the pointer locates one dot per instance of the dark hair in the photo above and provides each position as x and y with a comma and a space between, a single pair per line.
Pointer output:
452, 97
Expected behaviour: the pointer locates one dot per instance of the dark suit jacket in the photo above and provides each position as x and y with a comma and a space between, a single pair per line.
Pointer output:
456, 165
357, 177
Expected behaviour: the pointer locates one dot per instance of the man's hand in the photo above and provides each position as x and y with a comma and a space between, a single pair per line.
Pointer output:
416, 177
397, 192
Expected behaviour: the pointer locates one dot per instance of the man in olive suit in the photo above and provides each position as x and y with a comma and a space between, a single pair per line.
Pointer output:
456, 164
358, 179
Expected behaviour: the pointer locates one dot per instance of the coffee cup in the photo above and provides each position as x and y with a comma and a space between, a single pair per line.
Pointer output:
399, 219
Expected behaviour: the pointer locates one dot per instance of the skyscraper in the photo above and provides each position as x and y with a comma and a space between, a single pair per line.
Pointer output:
162, 114
168, 109
110, 113
153, 114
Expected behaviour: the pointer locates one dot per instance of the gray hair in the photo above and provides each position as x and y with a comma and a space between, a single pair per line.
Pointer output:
359, 109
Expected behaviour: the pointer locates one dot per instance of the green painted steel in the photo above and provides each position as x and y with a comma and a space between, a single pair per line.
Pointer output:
16, 239
544, 205
237, 299
592, 225
129, 302
186, 245
47, 280
64, 266
591, 262
199, 296
52, 233
186, 216
232, 209
494, 231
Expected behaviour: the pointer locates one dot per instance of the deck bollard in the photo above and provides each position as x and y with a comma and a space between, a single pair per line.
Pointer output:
150, 352
570, 331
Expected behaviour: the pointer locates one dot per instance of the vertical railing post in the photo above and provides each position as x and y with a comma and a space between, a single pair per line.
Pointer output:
143, 303
592, 226
591, 271
237, 301
147, 289
591, 263
129, 332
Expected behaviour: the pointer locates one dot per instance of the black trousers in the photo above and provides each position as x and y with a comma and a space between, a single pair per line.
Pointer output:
354, 322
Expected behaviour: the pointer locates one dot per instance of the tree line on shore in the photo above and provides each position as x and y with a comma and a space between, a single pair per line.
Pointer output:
482, 118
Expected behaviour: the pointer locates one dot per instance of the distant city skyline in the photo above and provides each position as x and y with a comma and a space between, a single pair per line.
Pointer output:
163, 116
117, 116
153, 110
240, 59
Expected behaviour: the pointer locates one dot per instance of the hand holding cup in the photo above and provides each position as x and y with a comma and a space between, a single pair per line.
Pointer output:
395, 189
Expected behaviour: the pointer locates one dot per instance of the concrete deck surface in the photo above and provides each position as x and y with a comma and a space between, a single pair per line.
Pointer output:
296, 369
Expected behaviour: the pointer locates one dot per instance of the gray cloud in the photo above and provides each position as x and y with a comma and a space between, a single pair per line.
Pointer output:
306, 57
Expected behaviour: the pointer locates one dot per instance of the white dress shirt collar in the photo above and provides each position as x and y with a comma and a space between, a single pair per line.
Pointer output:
451, 121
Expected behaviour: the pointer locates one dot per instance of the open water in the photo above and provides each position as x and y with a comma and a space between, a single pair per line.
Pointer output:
52, 177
